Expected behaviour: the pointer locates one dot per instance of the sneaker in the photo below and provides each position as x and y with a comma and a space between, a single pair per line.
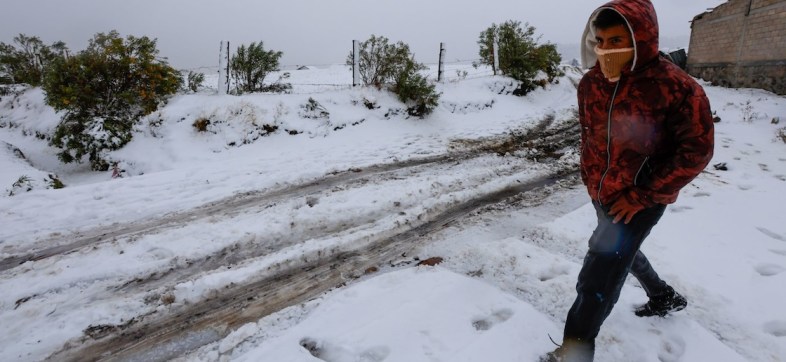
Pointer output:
662, 305
553, 356
570, 352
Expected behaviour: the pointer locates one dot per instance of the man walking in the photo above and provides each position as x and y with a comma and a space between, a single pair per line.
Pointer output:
646, 132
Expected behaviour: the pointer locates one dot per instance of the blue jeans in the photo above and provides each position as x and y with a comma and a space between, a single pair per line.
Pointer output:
613, 253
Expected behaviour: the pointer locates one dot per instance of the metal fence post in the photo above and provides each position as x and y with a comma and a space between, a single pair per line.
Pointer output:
355, 63
441, 62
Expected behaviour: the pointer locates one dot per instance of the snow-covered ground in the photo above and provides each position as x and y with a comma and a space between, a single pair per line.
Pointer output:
508, 273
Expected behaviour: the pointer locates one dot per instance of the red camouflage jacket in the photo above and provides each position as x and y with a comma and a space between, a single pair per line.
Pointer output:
651, 133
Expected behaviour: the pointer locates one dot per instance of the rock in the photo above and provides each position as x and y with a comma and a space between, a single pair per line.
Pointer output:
720, 166
431, 261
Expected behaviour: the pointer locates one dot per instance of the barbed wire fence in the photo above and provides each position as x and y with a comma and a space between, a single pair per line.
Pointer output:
327, 77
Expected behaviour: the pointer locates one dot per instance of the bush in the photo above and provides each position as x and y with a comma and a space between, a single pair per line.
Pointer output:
278, 86
23, 184
413, 89
201, 124
313, 110
194, 80
251, 65
520, 57
781, 133
55, 182
104, 91
26, 184
28, 60
5, 89
380, 61
392, 65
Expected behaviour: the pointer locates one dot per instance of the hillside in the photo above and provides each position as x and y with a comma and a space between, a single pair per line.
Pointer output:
291, 229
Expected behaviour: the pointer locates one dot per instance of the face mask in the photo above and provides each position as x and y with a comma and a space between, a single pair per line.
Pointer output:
613, 60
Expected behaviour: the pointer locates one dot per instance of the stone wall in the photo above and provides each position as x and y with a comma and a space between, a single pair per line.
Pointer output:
741, 43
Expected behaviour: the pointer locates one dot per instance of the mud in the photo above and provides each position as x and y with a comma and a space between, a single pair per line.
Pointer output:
159, 335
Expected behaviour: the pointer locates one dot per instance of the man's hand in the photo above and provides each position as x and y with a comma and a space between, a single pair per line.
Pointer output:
623, 209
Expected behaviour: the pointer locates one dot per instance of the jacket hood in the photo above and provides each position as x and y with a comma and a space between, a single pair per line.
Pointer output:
642, 23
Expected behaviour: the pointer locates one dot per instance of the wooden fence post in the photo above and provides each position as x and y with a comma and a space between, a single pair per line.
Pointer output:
441, 62
223, 68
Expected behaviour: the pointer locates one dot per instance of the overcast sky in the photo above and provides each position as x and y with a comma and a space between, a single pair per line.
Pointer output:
313, 31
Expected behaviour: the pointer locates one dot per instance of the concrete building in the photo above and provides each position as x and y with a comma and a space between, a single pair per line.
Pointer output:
741, 44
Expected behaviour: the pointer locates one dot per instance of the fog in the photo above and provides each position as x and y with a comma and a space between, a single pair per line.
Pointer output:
316, 32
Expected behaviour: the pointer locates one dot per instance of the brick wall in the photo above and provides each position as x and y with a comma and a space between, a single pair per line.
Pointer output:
741, 43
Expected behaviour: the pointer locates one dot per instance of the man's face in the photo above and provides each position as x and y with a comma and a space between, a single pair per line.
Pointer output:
615, 37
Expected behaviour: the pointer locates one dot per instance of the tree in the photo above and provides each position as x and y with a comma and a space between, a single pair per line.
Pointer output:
104, 91
251, 65
7, 62
392, 65
520, 57
27, 59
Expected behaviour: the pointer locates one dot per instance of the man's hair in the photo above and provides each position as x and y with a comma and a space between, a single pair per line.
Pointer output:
608, 18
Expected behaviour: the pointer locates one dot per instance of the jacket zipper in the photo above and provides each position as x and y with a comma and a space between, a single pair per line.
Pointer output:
636, 179
608, 141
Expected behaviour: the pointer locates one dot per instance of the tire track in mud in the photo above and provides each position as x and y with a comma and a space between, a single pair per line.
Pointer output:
538, 136
244, 249
238, 252
162, 337
224, 208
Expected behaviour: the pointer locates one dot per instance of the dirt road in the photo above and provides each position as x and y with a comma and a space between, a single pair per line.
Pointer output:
157, 334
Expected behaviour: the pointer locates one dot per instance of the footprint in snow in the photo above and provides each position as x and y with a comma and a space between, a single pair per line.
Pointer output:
779, 252
768, 270
161, 253
554, 271
776, 328
745, 187
771, 234
333, 353
701, 194
781, 177
486, 323
672, 349
764, 167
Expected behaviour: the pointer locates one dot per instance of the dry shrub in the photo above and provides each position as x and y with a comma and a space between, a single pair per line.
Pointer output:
201, 124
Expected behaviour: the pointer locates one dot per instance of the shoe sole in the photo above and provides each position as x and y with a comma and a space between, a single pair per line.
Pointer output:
676, 309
